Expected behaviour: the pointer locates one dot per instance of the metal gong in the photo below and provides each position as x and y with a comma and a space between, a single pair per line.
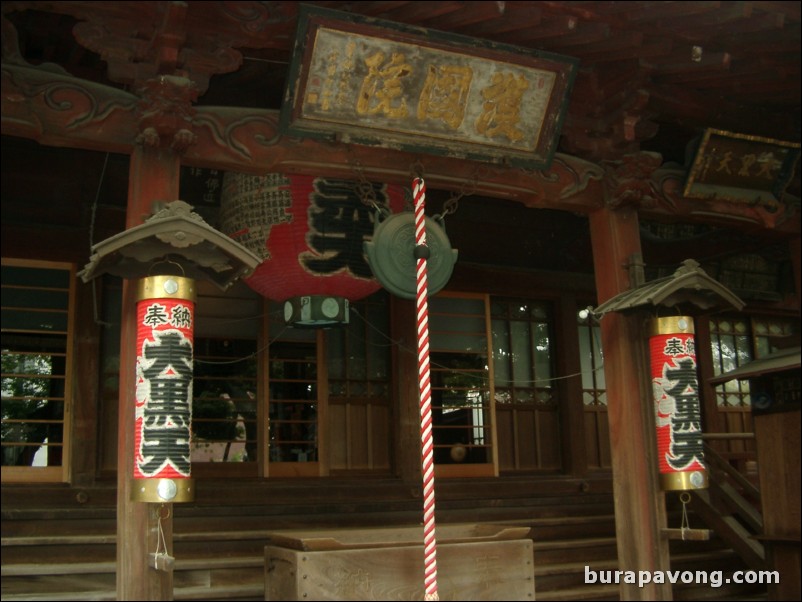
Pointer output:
391, 255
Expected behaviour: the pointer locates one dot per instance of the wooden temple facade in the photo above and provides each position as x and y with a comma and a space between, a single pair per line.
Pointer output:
542, 406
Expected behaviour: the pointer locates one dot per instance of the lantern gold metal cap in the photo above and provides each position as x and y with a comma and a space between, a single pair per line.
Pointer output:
166, 287
163, 490
672, 325
683, 481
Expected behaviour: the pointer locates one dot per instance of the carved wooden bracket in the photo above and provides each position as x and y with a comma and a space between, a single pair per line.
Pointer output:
167, 112
629, 181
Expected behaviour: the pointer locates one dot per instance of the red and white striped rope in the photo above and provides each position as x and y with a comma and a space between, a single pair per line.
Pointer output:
427, 460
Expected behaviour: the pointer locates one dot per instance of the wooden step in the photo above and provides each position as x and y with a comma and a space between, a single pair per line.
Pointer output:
63, 568
589, 592
58, 596
732, 591
220, 556
564, 551
59, 586
575, 567
568, 527
181, 564
571, 575
231, 592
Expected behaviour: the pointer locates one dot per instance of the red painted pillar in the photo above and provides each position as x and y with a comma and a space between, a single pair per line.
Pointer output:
154, 175
639, 504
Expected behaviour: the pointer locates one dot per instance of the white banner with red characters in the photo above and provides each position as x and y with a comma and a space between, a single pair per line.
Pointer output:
675, 386
165, 326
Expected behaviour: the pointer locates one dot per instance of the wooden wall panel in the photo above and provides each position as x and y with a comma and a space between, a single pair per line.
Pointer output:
549, 439
380, 436
338, 443
526, 438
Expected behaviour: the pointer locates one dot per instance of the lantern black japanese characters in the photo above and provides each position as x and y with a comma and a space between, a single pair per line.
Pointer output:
310, 234
676, 397
165, 326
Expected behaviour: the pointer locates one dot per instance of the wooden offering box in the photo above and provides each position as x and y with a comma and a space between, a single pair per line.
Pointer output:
474, 562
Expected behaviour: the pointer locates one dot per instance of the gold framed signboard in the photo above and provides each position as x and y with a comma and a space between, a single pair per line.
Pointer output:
385, 84
739, 167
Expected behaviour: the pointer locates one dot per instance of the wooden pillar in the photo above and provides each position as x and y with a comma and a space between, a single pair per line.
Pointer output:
154, 176
575, 457
86, 411
639, 503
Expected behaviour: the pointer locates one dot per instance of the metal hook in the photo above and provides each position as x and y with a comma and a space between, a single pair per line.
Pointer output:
416, 169
163, 261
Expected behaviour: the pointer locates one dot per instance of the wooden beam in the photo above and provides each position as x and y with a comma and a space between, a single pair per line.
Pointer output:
552, 27
515, 16
239, 139
468, 13
96, 117
723, 16
414, 12
655, 12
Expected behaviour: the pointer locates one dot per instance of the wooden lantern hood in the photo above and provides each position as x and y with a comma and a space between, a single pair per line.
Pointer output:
178, 235
688, 286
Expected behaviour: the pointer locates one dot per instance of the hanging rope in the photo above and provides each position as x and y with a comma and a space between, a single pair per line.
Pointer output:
685, 498
161, 541
427, 461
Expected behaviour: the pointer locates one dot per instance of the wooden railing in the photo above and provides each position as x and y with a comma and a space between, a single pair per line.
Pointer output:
731, 505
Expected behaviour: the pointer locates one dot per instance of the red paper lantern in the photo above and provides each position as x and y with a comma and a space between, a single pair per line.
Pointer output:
309, 231
675, 387
164, 345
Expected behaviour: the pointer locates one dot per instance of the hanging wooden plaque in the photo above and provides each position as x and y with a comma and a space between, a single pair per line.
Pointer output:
385, 84
739, 167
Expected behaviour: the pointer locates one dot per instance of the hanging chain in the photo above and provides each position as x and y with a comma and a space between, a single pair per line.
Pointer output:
363, 188
468, 188
367, 193
416, 170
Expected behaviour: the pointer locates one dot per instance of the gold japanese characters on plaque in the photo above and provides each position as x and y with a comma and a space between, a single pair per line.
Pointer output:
739, 167
384, 84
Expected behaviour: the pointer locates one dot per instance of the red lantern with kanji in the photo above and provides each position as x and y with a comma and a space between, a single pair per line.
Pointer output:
310, 232
675, 386
162, 437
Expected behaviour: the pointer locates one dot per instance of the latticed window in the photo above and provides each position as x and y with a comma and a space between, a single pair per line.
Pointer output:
594, 392
36, 354
737, 341
460, 375
293, 407
359, 400
224, 407
525, 392
522, 352
225, 393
